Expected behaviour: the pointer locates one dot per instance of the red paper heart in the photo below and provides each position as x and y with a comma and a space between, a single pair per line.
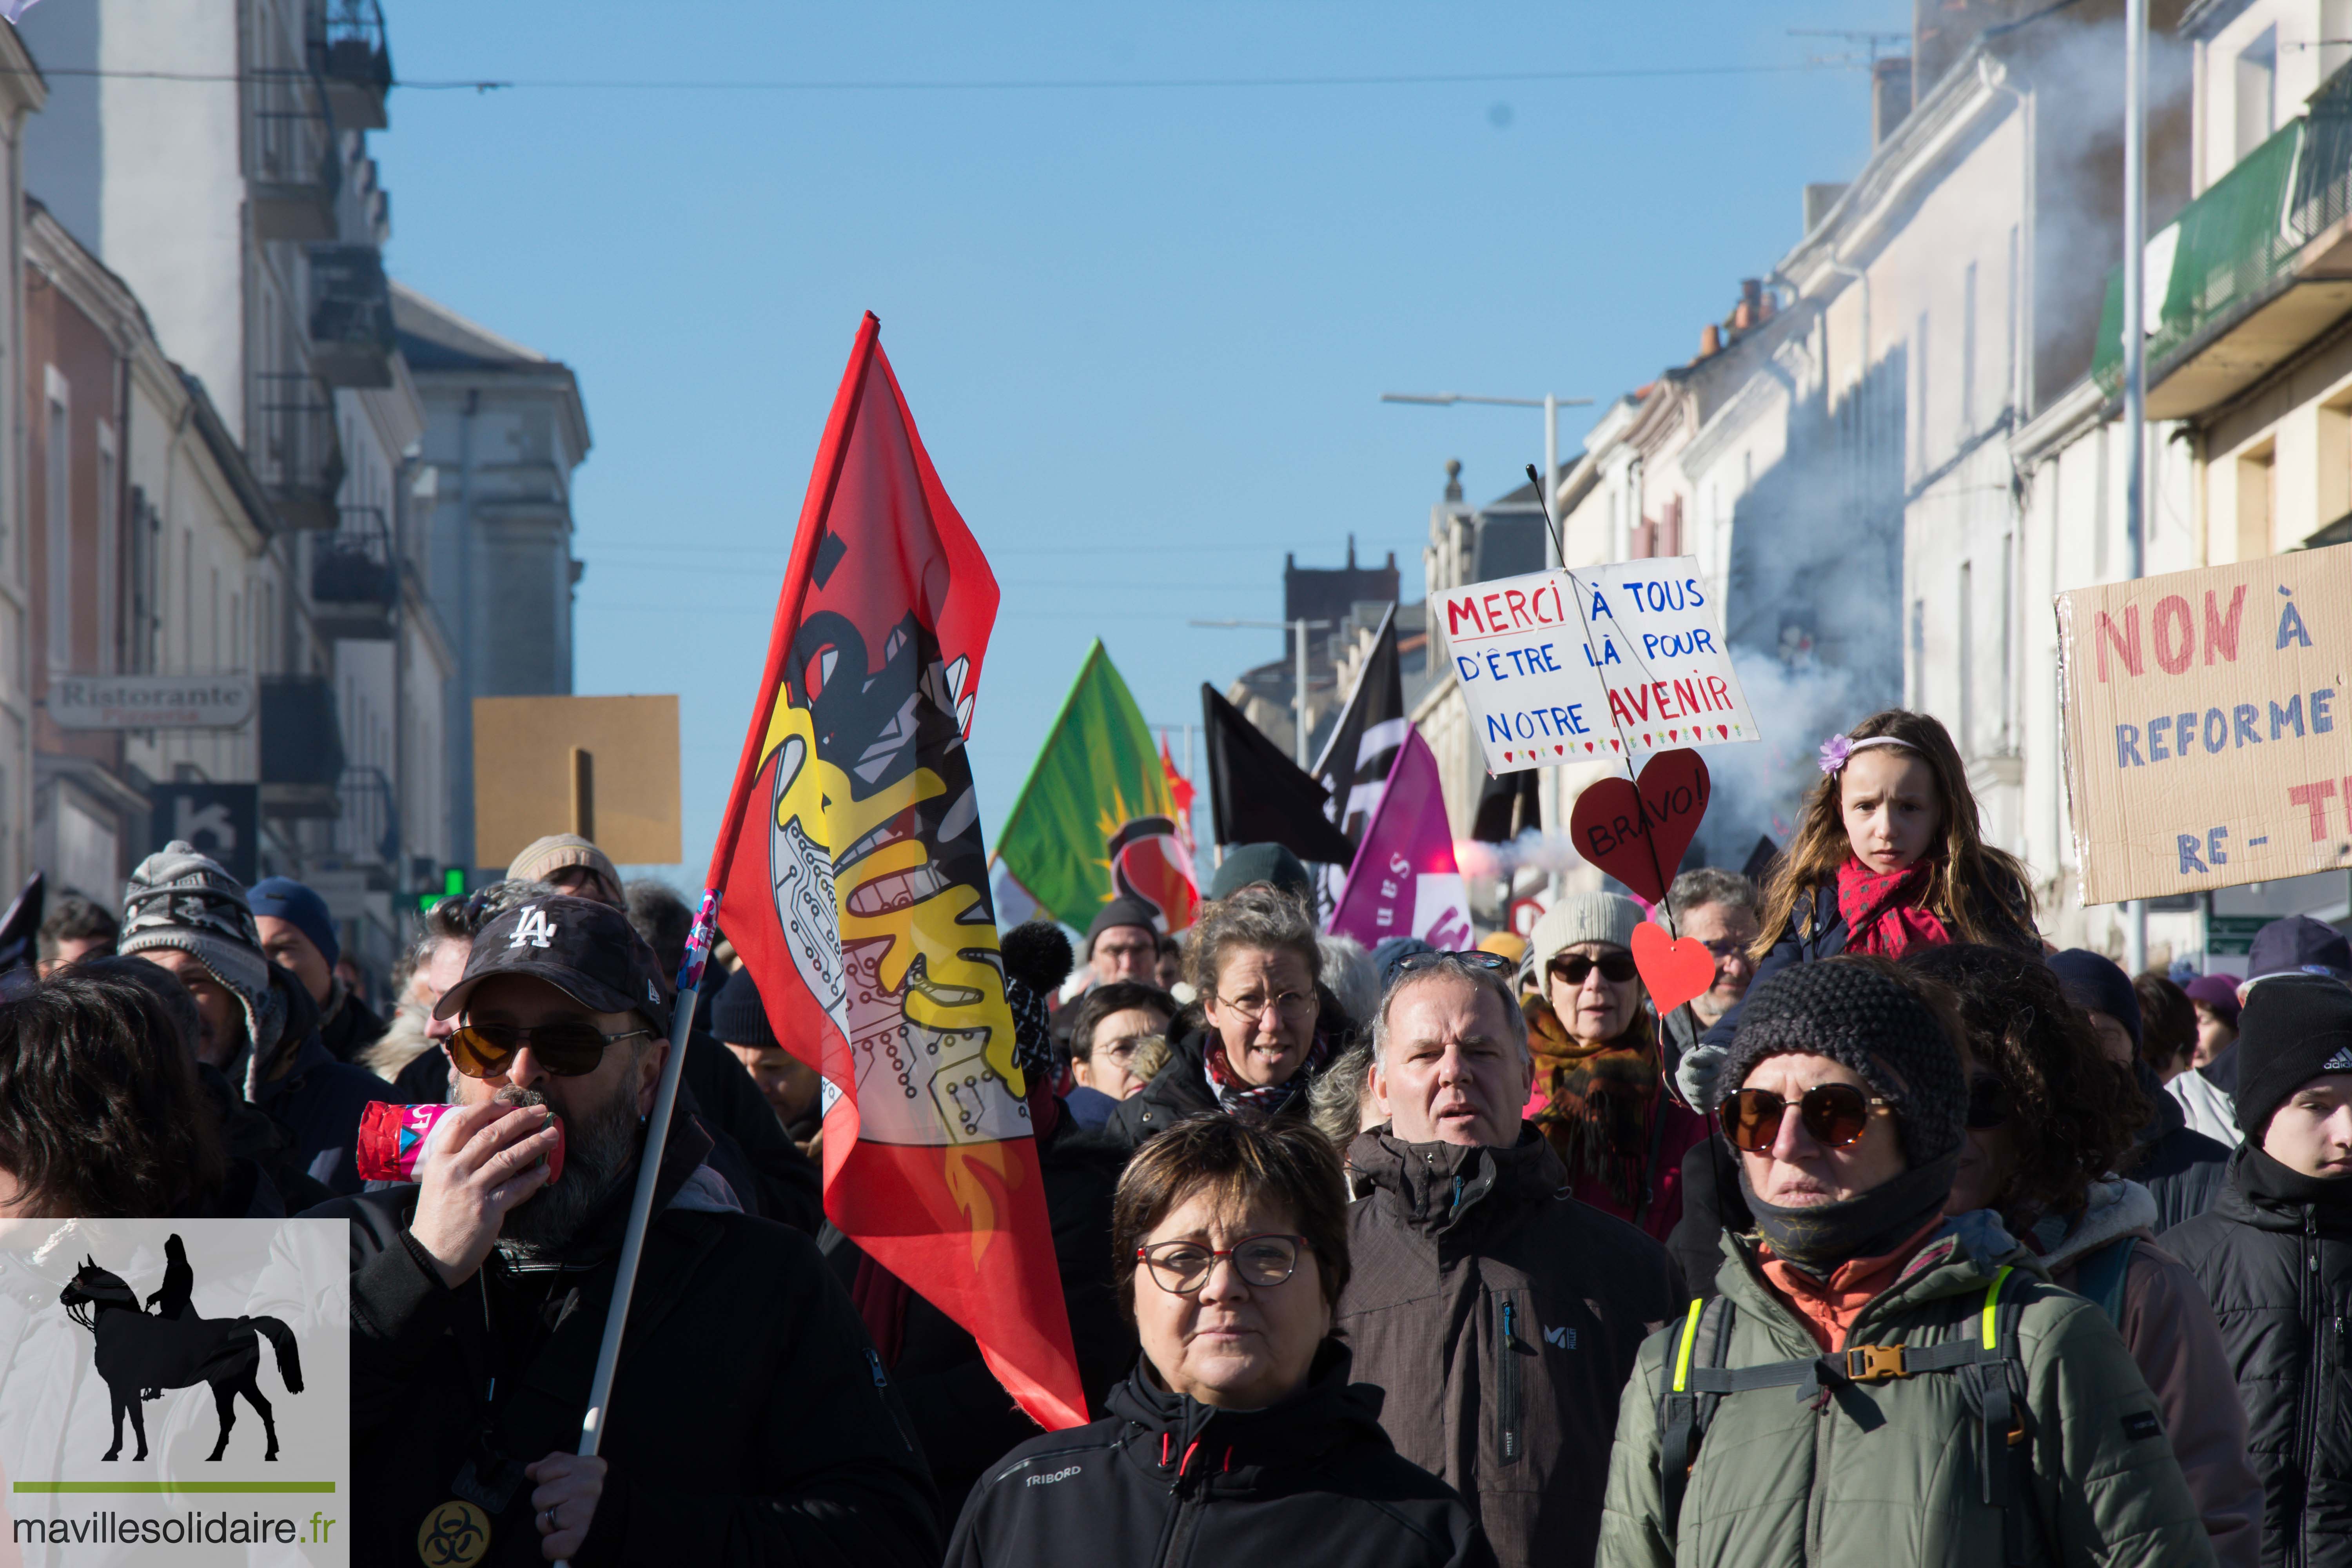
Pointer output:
1675, 970
1639, 836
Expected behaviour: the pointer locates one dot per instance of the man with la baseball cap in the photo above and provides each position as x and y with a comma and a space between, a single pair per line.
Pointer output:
752, 1419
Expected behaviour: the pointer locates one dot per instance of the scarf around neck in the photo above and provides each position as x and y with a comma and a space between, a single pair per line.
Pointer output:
1265, 1098
1819, 1238
1603, 1097
1882, 914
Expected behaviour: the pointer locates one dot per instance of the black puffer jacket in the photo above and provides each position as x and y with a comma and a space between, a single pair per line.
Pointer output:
1165, 1480
2183, 1168
2275, 1255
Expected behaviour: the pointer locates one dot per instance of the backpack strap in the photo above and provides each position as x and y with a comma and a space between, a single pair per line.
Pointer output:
1689, 1402
2100, 1277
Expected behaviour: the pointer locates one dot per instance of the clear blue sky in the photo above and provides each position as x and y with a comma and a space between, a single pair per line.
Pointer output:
1144, 329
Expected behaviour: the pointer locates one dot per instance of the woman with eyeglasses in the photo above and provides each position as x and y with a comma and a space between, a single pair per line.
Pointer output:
1878, 1383
1238, 1439
2050, 1118
1263, 1029
1601, 1095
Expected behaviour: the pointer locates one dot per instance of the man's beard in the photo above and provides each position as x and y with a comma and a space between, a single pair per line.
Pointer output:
598, 1151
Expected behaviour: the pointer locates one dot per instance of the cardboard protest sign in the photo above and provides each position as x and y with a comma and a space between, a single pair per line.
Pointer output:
2207, 727
1518, 649
1657, 645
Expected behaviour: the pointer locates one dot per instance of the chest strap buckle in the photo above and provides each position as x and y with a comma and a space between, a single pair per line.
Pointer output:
1875, 1363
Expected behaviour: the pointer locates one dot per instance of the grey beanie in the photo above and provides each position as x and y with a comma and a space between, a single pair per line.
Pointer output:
1581, 917
1856, 1014
180, 898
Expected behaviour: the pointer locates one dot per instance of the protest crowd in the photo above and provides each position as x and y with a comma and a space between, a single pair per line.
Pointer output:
1909, 1240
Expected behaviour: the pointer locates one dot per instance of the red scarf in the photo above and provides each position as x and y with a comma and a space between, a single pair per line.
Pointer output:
1882, 913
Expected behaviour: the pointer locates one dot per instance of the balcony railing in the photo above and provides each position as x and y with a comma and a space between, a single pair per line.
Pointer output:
295, 451
367, 830
351, 316
354, 581
291, 165
2246, 246
350, 56
301, 747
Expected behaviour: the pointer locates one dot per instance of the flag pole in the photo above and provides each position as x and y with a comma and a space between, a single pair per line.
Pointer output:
641, 1206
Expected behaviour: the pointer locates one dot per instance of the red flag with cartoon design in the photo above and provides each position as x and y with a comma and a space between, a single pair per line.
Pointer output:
855, 885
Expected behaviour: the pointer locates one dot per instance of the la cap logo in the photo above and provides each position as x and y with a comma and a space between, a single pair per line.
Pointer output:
534, 927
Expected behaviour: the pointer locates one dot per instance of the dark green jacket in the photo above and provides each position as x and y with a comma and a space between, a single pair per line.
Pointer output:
1886, 1475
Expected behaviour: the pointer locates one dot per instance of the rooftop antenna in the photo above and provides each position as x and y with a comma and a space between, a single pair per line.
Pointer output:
1872, 43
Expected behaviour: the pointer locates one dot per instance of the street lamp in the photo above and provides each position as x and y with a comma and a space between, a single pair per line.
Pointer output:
1551, 406
1299, 702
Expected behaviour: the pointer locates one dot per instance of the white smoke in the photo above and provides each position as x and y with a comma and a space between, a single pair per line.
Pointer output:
1533, 851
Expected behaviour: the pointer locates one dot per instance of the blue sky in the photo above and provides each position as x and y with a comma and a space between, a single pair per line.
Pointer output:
1144, 329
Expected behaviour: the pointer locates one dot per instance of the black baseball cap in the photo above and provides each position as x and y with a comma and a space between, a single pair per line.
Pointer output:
584, 949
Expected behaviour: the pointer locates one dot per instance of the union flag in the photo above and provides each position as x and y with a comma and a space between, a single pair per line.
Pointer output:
853, 881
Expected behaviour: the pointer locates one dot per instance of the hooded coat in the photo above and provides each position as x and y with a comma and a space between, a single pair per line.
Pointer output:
1503, 1317
2278, 1269
751, 1421
2184, 1169
304, 1089
2171, 1330
1886, 1475
1163, 1481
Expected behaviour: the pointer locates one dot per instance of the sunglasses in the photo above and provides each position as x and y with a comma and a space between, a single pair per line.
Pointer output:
568, 1047
1837, 1114
1476, 958
1615, 967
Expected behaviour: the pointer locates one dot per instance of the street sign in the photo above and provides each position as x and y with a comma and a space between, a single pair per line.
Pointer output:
2233, 933
152, 701
222, 820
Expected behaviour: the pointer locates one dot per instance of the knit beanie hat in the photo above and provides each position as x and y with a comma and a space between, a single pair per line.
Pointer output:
1855, 1014
283, 897
1581, 917
180, 898
739, 1018
1273, 864
2218, 992
1121, 913
543, 857
2295, 1028
2096, 983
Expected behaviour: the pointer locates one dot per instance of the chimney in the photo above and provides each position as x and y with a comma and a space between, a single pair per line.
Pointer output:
1452, 478
1818, 199
1890, 97
1710, 341
1764, 308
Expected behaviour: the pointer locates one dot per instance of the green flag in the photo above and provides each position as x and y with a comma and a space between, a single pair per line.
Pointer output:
1097, 773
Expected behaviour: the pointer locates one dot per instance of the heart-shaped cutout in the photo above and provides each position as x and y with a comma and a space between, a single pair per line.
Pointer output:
1638, 835
1675, 970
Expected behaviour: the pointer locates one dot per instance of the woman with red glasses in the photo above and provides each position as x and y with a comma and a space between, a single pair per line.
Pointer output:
1878, 1384
1600, 1088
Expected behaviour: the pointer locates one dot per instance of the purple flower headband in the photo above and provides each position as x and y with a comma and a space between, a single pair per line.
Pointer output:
1838, 748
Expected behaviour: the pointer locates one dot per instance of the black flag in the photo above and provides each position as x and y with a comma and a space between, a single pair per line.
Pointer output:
1258, 796
1356, 760
22, 924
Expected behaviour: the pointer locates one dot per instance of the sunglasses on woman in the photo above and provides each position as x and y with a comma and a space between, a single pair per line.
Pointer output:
1615, 967
568, 1047
1181, 1267
1476, 958
1837, 1114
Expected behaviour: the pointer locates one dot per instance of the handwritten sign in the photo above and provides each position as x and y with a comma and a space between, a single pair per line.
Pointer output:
1534, 691
1657, 645
2208, 723
1639, 834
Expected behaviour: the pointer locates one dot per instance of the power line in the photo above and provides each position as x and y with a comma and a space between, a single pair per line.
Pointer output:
1005, 84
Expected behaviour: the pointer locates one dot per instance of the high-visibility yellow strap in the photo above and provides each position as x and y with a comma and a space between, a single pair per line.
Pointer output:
1690, 1336
1993, 1298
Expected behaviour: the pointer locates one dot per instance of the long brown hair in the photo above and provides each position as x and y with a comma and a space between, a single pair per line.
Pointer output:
1966, 875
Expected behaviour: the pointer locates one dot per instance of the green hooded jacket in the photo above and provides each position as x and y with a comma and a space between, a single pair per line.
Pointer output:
1886, 1475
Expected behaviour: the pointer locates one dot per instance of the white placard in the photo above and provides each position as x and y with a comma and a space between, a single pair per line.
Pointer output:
150, 701
1518, 649
1657, 643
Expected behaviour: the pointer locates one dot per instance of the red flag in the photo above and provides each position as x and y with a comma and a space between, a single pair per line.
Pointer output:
855, 885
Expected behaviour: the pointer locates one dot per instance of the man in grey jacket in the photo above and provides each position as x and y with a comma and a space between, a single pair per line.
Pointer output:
1502, 1316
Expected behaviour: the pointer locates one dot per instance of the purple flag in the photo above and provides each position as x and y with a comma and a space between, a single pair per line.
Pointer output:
1405, 881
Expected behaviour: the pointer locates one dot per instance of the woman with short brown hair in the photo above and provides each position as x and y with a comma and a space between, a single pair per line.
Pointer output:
1238, 1432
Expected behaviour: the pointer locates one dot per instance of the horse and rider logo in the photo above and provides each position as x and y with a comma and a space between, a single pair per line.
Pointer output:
142, 1352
